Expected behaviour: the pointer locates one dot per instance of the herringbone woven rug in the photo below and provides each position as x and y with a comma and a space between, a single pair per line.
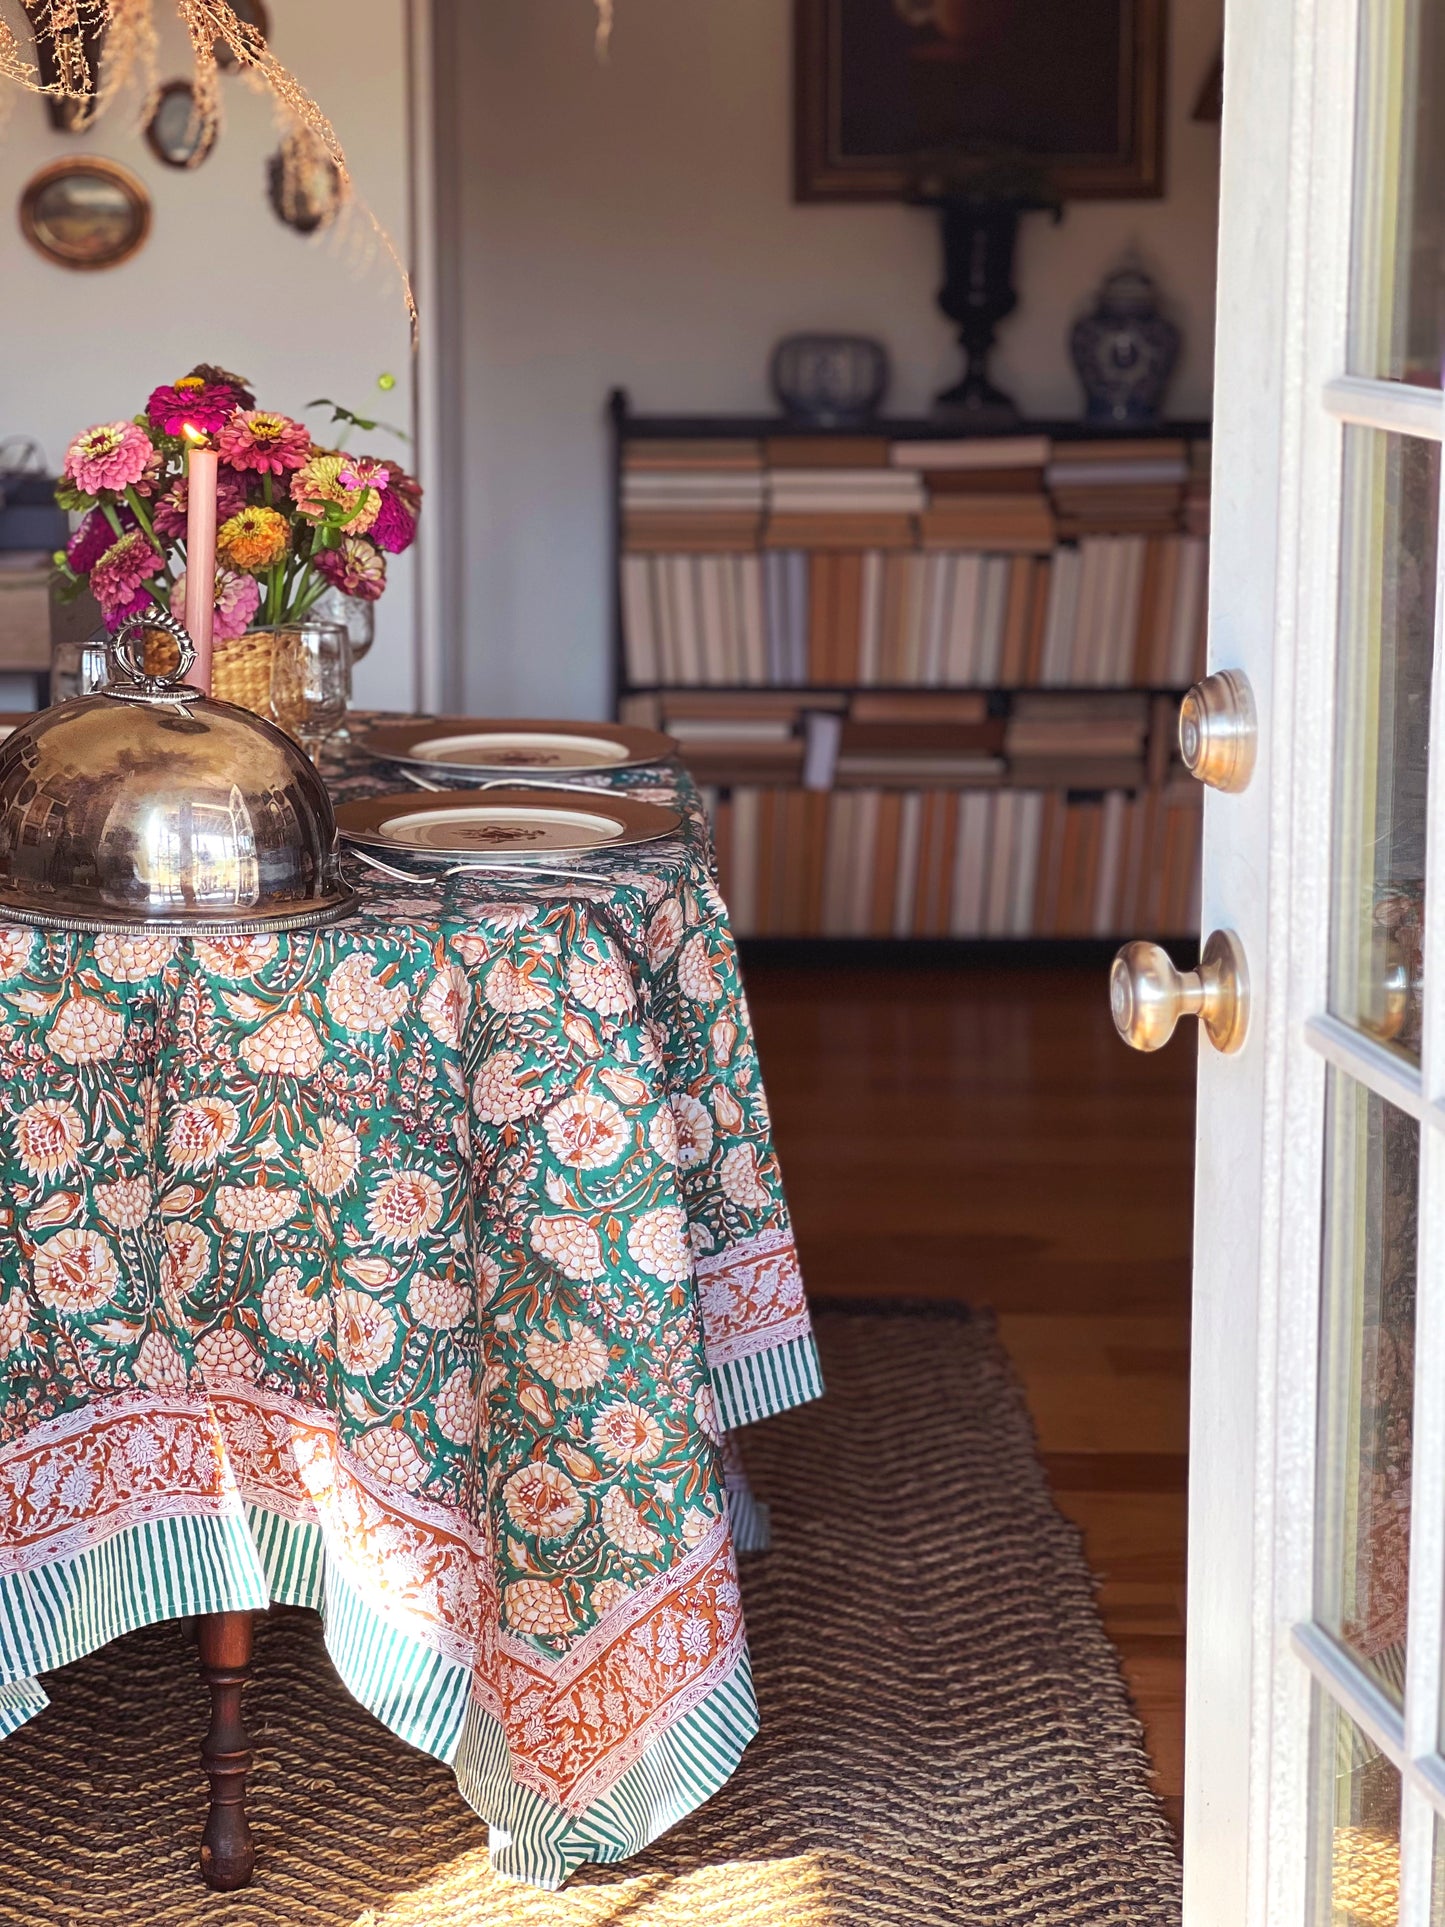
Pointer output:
946, 1738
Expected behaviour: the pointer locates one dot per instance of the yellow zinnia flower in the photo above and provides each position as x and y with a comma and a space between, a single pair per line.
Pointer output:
253, 539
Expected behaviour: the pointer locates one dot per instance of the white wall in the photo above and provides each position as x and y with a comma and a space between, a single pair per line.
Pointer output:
220, 279
632, 223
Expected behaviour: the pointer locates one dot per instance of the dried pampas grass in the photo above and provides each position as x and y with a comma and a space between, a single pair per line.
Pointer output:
69, 28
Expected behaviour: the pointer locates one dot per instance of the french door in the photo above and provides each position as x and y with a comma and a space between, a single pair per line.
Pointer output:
1315, 1778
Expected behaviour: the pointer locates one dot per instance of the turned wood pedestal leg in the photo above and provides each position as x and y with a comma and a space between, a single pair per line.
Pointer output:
228, 1857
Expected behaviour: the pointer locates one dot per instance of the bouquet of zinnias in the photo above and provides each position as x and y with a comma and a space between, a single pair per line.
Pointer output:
294, 518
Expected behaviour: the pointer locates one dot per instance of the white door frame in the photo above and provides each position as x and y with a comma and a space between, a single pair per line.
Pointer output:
438, 637
1286, 202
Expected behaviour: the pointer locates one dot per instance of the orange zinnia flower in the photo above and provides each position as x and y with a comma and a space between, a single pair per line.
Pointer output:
253, 539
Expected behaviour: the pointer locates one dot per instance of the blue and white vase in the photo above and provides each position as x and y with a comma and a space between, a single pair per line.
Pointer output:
1125, 350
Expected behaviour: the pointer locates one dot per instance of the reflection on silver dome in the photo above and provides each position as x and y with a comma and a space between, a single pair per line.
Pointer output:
149, 806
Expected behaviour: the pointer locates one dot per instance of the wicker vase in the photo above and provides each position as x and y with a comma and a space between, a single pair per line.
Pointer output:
240, 670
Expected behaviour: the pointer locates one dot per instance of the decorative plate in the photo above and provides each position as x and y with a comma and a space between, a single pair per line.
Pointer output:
510, 825
468, 745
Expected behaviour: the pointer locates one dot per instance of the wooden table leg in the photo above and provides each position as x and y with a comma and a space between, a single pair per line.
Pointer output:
228, 1857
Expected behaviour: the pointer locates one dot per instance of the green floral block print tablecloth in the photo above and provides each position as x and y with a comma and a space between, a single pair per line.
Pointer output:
413, 1270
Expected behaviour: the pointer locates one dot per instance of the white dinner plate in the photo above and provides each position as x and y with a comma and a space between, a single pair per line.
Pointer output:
510, 826
460, 746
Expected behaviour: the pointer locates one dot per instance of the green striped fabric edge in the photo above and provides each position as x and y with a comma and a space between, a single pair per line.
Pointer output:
768, 1382
534, 1841
20, 1702
749, 1521
156, 1569
410, 1687
176, 1568
427, 1701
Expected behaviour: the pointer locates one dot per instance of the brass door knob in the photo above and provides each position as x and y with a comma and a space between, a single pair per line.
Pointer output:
1218, 730
1395, 993
1148, 994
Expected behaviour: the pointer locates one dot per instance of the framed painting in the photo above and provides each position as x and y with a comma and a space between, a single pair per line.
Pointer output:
1074, 86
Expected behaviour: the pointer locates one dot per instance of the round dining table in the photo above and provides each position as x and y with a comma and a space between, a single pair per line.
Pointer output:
418, 1270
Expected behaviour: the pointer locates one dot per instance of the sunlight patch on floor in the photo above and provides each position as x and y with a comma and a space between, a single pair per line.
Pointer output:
788, 1892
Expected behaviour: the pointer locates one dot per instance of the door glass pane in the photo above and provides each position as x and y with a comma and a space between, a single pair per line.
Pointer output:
1387, 630
1372, 1158
1398, 310
1356, 1825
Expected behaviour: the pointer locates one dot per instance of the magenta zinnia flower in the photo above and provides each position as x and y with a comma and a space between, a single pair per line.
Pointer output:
169, 514
206, 405
268, 444
238, 597
113, 455
395, 526
127, 563
91, 540
357, 568
136, 605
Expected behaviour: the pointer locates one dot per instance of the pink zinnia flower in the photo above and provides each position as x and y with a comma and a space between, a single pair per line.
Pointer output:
395, 526
205, 405
357, 568
347, 490
127, 563
91, 540
268, 444
136, 605
238, 597
169, 516
114, 455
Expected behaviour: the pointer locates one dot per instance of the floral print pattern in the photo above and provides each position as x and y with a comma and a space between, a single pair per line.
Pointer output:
476, 1194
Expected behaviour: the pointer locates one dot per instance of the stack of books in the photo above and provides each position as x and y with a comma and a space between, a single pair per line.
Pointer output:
1196, 489
692, 495
1079, 742
983, 494
967, 863
1118, 487
1125, 609
843, 508
924, 680
1114, 610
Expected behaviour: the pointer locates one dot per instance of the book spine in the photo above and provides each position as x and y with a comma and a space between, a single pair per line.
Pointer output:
905, 882
847, 617
1029, 818
639, 633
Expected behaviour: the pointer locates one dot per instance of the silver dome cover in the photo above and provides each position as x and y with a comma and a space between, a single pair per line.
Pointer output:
152, 807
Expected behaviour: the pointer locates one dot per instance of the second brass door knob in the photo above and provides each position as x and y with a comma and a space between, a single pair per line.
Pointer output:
1218, 730
1148, 994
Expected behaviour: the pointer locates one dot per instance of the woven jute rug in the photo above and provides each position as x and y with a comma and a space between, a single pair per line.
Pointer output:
946, 1737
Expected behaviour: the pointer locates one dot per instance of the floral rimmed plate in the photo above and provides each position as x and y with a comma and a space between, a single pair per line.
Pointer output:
508, 825
467, 746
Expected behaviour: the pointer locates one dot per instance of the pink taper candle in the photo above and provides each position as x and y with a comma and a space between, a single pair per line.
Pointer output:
201, 554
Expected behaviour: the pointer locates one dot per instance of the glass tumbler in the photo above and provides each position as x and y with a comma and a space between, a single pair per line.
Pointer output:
310, 680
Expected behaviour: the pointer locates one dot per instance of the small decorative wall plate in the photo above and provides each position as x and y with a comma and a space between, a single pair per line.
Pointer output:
469, 746
85, 214
509, 825
303, 184
175, 132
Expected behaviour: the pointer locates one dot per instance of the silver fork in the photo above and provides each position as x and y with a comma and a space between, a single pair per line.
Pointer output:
472, 870
515, 783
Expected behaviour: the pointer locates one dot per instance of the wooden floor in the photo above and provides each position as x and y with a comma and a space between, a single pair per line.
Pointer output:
982, 1134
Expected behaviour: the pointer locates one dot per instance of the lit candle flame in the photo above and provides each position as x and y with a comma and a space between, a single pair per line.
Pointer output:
197, 437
